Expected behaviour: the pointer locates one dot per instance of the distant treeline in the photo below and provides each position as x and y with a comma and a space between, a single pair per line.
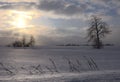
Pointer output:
23, 42
73, 44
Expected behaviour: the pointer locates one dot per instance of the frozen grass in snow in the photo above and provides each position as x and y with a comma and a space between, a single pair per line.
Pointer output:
60, 64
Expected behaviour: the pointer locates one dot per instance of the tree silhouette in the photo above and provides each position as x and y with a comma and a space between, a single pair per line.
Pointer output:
32, 41
17, 44
97, 30
23, 41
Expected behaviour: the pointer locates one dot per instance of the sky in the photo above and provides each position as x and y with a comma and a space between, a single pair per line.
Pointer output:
54, 22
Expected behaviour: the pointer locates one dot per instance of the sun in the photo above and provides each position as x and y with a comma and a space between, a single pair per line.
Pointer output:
20, 22
20, 19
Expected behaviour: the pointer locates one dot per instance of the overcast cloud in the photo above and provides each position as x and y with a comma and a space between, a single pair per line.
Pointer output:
59, 21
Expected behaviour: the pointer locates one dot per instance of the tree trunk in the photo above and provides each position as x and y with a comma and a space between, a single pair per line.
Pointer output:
98, 44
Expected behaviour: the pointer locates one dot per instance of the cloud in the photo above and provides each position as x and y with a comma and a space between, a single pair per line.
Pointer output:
78, 9
113, 37
5, 33
75, 7
56, 36
18, 0
17, 5
118, 11
61, 7
58, 21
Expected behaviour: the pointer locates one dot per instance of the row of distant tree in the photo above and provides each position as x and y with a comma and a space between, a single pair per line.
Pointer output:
74, 44
97, 30
23, 42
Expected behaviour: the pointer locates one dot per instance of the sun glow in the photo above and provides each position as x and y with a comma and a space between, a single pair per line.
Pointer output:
21, 19
20, 22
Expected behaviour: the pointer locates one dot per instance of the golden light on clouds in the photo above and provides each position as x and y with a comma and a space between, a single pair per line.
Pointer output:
20, 19
20, 22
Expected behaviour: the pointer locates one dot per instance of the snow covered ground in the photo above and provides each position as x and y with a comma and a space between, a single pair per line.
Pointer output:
60, 64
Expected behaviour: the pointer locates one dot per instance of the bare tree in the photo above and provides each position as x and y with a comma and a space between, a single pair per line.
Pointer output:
32, 41
98, 30
23, 41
